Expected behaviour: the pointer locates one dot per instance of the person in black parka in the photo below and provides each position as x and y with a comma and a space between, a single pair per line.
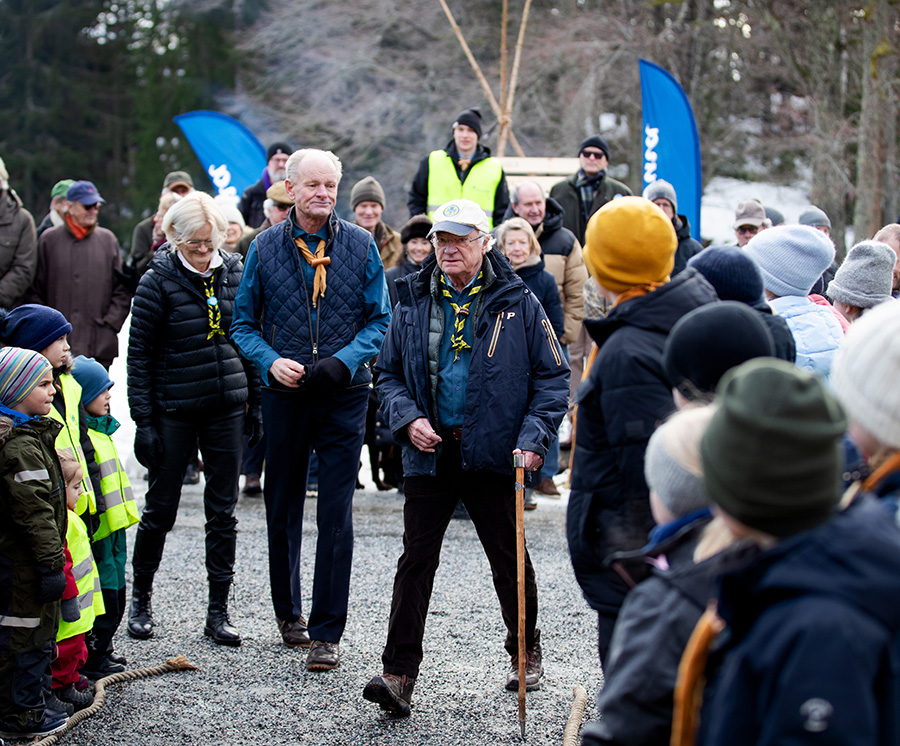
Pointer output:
187, 383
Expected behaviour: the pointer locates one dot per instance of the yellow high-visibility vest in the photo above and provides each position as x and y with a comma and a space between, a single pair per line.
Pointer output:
121, 510
480, 185
69, 438
87, 579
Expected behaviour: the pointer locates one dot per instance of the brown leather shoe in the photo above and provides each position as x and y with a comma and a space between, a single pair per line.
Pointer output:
547, 487
392, 693
294, 633
323, 656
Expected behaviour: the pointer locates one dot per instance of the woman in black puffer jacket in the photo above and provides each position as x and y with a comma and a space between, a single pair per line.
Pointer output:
188, 384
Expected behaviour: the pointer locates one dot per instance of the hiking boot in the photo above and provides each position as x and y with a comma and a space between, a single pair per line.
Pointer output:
116, 658
547, 487
534, 670
294, 634
140, 614
252, 485
78, 698
53, 704
218, 625
323, 656
392, 693
50, 722
102, 668
530, 500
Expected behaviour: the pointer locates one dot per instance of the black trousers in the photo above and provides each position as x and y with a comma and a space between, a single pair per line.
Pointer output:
22, 677
219, 433
490, 499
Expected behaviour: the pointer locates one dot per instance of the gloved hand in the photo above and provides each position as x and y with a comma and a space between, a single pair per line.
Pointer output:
70, 609
147, 446
329, 374
253, 425
52, 584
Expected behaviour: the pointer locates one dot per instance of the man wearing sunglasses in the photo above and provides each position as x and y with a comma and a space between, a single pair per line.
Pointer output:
749, 219
585, 192
78, 267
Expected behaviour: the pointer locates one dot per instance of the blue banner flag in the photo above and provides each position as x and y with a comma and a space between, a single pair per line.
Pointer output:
230, 153
671, 143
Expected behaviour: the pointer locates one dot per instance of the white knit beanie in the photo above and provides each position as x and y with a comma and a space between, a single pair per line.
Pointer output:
866, 369
866, 276
791, 257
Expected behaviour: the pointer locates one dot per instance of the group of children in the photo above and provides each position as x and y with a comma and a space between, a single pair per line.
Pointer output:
65, 502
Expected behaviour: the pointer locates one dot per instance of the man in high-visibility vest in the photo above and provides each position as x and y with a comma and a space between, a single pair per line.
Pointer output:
463, 169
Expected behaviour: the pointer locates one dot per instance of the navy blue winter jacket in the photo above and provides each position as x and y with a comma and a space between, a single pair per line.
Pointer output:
811, 654
518, 376
543, 284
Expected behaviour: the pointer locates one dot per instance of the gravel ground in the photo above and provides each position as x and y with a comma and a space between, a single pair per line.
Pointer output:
260, 693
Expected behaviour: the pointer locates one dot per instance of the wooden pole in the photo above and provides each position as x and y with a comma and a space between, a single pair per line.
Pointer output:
519, 461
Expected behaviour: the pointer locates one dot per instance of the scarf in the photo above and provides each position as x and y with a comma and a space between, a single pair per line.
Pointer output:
77, 231
457, 341
213, 311
636, 292
587, 187
886, 468
319, 262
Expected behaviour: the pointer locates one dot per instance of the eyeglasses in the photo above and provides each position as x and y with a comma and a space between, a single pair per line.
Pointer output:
595, 154
748, 230
208, 244
443, 243
95, 206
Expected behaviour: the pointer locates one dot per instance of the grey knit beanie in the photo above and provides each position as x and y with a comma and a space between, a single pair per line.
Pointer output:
865, 369
813, 216
661, 189
791, 257
672, 461
866, 276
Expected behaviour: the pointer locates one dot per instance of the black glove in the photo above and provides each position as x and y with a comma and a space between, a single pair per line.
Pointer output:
253, 426
71, 612
147, 446
329, 374
52, 585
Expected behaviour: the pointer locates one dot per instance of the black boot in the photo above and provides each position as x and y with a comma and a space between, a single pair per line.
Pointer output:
140, 614
218, 626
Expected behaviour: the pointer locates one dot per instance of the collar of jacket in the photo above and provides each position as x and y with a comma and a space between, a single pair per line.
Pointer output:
167, 265
333, 224
107, 424
481, 153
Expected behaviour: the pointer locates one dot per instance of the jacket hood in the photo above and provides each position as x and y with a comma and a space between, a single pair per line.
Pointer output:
657, 311
855, 558
682, 227
10, 204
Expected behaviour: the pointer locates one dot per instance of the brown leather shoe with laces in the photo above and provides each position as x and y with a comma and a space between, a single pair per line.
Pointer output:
323, 656
534, 670
392, 693
294, 633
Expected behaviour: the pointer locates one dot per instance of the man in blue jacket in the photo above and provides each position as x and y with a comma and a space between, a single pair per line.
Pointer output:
470, 373
311, 310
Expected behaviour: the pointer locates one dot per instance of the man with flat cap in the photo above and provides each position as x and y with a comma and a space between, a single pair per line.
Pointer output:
586, 191
497, 384
463, 169
251, 204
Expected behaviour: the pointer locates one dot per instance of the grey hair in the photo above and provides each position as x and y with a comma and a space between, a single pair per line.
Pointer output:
514, 194
191, 213
292, 167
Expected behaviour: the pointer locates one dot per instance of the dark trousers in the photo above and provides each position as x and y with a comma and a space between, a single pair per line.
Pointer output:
219, 433
22, 677
490, 499
334, 425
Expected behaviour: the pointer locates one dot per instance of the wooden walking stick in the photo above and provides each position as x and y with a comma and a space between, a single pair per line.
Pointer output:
519, 462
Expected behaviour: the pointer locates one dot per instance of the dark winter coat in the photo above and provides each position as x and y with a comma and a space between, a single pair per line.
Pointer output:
172, 366
569, 198
810, 654
393, 274
687, 246
785, 346
543, 285
18, 249
518, 376
252, 201
80, 279
620, 404
32, 530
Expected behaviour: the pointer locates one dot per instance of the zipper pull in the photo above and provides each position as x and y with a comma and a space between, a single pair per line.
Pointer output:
316, 352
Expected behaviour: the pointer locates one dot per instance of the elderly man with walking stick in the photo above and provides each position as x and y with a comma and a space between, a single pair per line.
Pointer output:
469, 374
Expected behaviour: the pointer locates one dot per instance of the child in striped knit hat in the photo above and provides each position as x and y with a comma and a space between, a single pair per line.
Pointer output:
32, 538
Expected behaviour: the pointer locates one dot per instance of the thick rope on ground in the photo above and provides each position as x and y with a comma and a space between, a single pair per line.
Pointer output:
179, 663
576, 716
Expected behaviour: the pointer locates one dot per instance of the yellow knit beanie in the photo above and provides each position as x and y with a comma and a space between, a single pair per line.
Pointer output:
628, 242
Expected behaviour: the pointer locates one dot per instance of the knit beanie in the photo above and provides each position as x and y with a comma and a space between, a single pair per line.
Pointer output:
594, 141
672, 459
813, 216
366, 190
866, 277
629, 241
470, 118
772, 453
733, 274
661, 189
791, 257
92, 376
32, 326
775, 216
711, 340
418, 226
864, 372
276, 148
20, 371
